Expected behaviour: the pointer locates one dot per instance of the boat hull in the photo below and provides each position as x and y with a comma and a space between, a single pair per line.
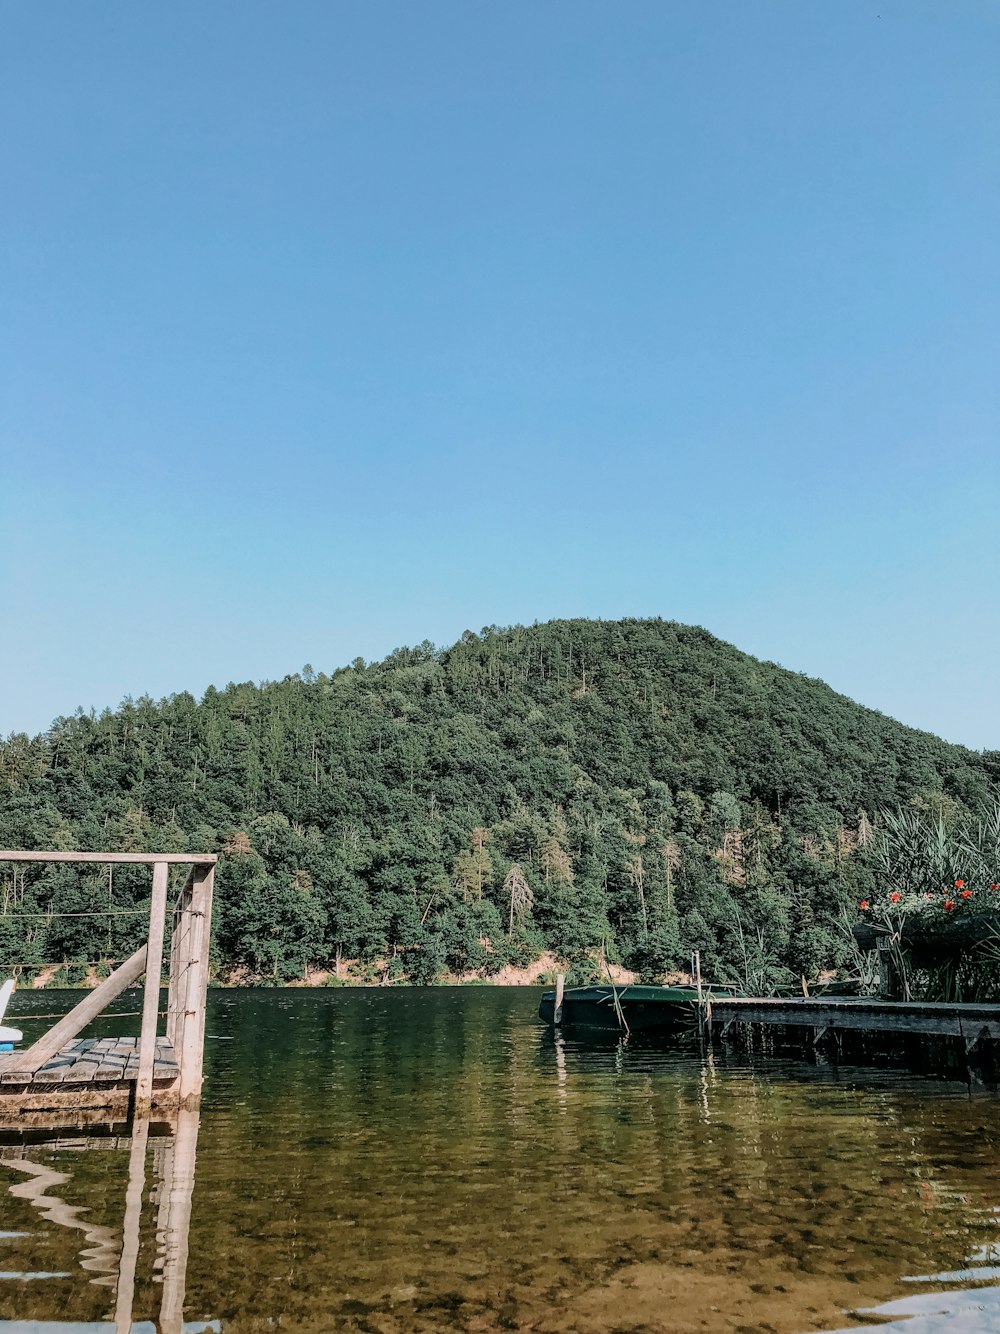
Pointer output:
643, 1009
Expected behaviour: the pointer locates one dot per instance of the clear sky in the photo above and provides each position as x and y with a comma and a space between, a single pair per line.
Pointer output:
327, 327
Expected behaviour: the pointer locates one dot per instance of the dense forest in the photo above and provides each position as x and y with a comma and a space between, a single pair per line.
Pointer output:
609, 791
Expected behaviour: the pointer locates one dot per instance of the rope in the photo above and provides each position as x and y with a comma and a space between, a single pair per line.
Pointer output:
63, 963
105, 1014
108, 912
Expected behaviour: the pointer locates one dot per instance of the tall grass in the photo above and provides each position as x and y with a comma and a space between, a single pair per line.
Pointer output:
923, 853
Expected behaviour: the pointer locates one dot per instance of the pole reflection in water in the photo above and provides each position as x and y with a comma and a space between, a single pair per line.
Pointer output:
125, 1293
174, 1233
110, 1258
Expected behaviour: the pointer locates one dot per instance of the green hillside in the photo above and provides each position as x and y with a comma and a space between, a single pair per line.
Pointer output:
636, 787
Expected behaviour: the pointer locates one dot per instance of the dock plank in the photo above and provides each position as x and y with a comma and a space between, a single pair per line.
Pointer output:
932, 1018
84, 1064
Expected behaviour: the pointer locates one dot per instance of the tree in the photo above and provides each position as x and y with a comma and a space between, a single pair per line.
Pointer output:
519, 895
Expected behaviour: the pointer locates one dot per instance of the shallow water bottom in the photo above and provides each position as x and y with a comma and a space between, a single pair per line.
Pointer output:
423, 1160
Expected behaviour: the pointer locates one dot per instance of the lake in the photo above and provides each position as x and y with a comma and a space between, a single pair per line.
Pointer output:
426, 1160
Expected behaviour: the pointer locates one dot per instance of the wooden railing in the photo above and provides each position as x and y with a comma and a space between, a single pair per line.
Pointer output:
187, 968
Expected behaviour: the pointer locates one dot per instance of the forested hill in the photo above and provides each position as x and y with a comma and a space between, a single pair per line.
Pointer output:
635, 787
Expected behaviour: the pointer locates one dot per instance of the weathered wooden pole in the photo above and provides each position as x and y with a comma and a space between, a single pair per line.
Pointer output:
180, 958
191, 1025
557, 1008
151, 993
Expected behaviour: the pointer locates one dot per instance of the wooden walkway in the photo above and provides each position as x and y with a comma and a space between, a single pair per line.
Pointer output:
970, 1023
87, 1075
134, 1075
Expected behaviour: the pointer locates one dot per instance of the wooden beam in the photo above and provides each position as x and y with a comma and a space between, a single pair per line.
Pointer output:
82, 1014
557, 1004
180, 952
151, 994
173, 971
117, 858
191, 1024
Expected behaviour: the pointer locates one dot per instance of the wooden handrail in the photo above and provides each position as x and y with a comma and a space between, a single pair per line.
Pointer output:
118, 858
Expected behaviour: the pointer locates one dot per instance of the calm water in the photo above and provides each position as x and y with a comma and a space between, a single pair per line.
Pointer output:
405, 1160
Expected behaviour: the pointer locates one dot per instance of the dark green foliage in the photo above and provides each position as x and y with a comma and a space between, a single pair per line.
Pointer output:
656, 789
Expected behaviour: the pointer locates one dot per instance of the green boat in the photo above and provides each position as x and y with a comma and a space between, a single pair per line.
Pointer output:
637, 1008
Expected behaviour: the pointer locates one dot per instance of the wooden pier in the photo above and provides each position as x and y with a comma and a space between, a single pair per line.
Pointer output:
971, 1024
61, 1076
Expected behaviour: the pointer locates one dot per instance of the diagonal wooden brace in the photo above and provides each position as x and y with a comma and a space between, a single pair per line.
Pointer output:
52, 1042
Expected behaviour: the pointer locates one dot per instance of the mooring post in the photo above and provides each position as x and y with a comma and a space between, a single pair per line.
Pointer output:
558, 1006
151, 991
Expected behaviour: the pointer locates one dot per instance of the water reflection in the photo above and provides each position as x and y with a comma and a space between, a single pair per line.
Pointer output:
396, 1162
109, 1254
976, 1311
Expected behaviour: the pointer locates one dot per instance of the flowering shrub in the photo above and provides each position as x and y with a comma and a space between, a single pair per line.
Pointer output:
920, 910
899, 905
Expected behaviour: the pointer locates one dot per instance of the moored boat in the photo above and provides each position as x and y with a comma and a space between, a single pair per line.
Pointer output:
636, 1007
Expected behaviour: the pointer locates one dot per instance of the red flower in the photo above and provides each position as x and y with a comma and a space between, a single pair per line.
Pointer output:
994, 886
928, 896
949, 904
895, 897
864, 905
959, 884
966, 893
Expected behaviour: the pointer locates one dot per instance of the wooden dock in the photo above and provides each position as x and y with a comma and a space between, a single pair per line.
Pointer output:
88, 1075
972, 1024
79, 1078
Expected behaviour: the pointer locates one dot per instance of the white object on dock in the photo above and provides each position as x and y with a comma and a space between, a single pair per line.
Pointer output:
8, 1034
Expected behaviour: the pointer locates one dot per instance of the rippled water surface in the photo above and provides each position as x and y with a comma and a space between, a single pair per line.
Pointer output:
420, 1160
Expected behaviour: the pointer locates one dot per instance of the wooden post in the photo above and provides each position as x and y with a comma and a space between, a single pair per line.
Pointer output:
557, 1008
151, 994
180, 958
191, 1026
52, 1042
173, 969
887, 981
696, 956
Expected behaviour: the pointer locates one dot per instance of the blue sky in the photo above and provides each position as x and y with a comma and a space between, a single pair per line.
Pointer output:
329, 327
